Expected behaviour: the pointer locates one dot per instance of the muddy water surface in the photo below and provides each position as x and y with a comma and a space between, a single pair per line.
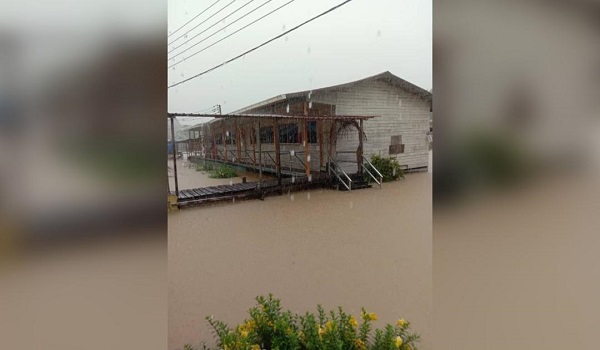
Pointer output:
369, 248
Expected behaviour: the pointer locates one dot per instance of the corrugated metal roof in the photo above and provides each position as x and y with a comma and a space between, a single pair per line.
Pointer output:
385, 76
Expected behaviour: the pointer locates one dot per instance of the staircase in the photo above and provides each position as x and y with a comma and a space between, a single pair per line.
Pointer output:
358, 182
344, 182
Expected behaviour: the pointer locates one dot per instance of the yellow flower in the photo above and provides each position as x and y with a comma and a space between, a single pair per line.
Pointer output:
244, 334
329, 325
353, 322
255, 347
360, 344
370, 316
401, 323
398, 342
321, 331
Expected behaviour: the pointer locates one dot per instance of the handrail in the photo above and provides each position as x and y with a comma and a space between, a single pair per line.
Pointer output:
300, 160
365, 162
372, 166
335, 172
373, 177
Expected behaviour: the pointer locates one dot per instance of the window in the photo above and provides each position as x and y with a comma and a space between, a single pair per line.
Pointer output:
266, 134
312, 131
219, 140
396, 145
231, 138
288, 133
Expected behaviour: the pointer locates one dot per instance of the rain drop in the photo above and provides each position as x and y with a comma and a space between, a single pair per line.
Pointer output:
287, 108
286, 38
308, 50
310, 105
379, 33
283, 28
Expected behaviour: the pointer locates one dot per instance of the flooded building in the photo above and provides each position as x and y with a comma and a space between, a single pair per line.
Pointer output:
399, 130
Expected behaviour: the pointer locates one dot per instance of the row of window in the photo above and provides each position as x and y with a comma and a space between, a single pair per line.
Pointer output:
288, 133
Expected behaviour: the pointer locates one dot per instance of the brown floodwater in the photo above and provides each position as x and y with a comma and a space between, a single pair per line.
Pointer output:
368, 248
189, 177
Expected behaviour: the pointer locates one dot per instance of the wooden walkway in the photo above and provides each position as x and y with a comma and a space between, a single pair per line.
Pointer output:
248, 190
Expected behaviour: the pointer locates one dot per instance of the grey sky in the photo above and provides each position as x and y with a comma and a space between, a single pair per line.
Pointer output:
362, 38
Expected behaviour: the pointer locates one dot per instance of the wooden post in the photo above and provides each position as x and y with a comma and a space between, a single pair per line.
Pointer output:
253, 138
214, 143
359, 152
320, 141
276, 141
259, 156
306, 150
224, 139
174, 155
244, 137
237, 141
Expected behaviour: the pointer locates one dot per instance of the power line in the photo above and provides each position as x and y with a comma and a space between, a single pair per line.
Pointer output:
216, 32
199, 24
218, 41
198, 15
261, 45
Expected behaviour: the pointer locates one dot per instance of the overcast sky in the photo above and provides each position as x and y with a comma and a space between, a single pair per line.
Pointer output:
362, 38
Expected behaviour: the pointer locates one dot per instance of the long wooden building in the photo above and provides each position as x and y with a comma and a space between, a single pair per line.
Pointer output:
399, 130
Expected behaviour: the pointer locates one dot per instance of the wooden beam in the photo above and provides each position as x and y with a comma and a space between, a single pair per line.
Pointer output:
237, 140
306, 149
359, 152
259, 157
224, 139
277, 155
253, 138
320, 141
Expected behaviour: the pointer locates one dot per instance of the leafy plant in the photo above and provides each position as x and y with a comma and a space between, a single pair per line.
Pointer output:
388, 167
220, 172
271, 328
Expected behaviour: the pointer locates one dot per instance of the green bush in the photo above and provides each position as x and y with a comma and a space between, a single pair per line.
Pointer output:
388, 167
222, 172
205, 167
271, 328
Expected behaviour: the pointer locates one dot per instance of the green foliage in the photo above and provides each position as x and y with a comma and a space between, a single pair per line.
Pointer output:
217, 172
223, 172
388, 167
205, 167
271, 328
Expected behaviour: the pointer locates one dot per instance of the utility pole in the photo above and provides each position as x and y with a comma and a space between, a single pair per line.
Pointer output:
174, 155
